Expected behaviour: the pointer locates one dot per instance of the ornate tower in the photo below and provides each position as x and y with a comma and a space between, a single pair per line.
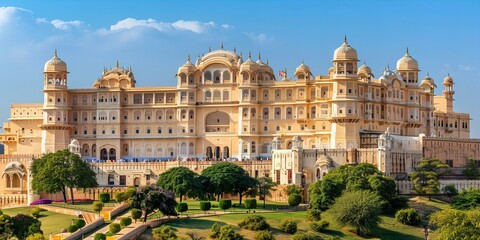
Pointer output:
448, 92
55, 127
408, 68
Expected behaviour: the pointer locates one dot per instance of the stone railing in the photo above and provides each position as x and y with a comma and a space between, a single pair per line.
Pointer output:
11, 200
83, 231
405, 187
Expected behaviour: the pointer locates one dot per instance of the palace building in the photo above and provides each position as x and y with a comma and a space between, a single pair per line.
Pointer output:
227, 108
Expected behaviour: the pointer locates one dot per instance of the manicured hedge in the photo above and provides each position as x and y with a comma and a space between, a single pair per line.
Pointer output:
225, 204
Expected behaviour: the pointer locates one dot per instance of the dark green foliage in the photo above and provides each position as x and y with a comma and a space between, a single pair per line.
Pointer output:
100, 236
182, 181
471, 171
291, 189
466, 200
306, 236
120, 197
114, 228
35, 212
314, 214
215, 232
6, 226
205, 205
288, 226
264, 235
55, 172
136, 213
104, 197
182, 207
125, 221
319, 226
79, 223
450, 190
426, 174
129, 192
294, 199
25, 225
151, 198
359, 210
250, 203
265, 185
164, 233
72, 228
254, 223
408, 216
399, 202
227, 233
225, 204
97, 206
456, 224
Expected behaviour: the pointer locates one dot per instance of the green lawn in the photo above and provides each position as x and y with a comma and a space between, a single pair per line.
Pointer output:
388, 229
82, 206
52, 222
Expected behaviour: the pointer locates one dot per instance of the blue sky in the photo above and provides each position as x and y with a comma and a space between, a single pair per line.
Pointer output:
155, 37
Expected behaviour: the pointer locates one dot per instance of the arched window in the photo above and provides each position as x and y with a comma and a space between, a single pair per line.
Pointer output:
216, 76
208, 76
216, 95
191, 79
148, 115
226, 95
254, 147
170, 115
265, 113
159, 114
183, 78
253, 112
226, 75
191, 114
289, 94
191, 149
208, 96
245, 112
245, 77
183, 114
278, 113
226, 152
183, 148
245, 147
289, 113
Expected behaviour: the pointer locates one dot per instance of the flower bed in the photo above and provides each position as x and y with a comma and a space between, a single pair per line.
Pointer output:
41, 201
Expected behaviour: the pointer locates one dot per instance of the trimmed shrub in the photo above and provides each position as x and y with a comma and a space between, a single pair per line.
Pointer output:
182, 207
72, 228
450, 190
125, 221
319, 226
314, 214
225, 204
408, 216
97, 206
100, 236
288, 226
294, 200
227, 233
163, 232
114, 228
254, 223
120, 197
136, 213
306, 236
250, 203
104, 197
205, 205
79, 223
264, 235
35, 212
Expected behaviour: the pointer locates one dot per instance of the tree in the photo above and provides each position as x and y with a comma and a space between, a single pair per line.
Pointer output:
104, 197
24, 225
293, 189
425, 177
151, 198
250, 203
205, 206
226, 177
450, 190
225, 204
58, 171
36, 236
164, 233
136, 214
182, 207
182, 181
408, 216
358, 209
265, 185
471, 171
294, 200
6, 226
456, 224
467, 199
97, 206
114, 228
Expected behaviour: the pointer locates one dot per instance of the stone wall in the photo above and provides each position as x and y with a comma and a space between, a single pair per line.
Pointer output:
405, 187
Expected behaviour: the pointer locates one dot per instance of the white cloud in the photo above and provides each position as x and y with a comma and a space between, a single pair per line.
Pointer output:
465, 67
65, 25
41, 20
181, 25
7, 13
226, 26
259, 38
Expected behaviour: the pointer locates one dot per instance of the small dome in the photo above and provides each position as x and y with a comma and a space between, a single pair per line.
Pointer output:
388, 76
55, 64
448, 80
345, 52
303, 68
187, 67
365, 70
428, 81
407, 63
249, 64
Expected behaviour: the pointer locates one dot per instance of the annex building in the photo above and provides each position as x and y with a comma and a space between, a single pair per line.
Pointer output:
226, 107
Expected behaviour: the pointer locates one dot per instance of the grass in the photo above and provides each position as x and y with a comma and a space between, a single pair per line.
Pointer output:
52, 222
83, 206
388, 229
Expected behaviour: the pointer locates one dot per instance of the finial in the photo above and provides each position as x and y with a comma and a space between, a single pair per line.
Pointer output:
130, 68
234, 50
188, 57
209, 49
55, 53
249, 54
241, 54
259, 57
221, 46
388, 66
267, 61
448, 74
406, 52
345, 38
117, 63
364, 63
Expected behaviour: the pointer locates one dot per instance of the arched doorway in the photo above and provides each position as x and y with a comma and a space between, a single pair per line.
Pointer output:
136, 181
226, 152
112, 154
103, 154
217, 122
209, 153
217, 152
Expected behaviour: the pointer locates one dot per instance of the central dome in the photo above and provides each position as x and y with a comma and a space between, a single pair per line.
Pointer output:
345, 52
55, 64
407, 63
